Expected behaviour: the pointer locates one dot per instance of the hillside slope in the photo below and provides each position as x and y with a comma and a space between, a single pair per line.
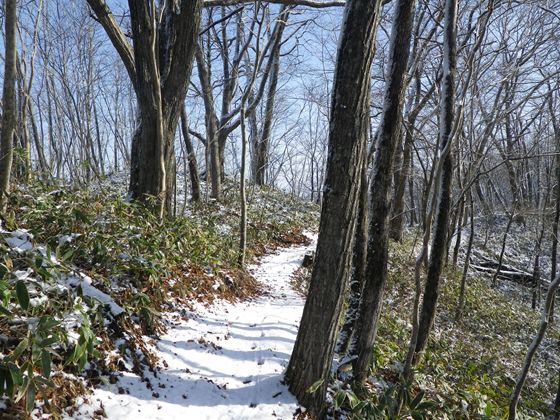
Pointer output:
86, 276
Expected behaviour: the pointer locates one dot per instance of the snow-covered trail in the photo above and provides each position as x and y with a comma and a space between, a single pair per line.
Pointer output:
222, 362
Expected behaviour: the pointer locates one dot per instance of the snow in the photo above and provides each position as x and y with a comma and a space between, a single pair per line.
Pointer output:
80, 279
222, 362
63, 239
19, 240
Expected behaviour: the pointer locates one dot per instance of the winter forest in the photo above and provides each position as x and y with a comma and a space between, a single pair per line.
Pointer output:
292, 209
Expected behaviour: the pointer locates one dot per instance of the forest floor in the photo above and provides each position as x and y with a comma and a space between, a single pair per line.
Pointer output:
96, 295
219, 361
95, 292
470, 365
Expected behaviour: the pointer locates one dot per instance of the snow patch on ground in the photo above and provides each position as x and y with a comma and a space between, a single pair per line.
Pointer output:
222, 362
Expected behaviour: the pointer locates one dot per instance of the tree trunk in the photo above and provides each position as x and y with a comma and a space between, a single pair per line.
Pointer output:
405, 171
357, 278
313, 350
262, 147
554, 233
242, 192
9, 102
380, 189
145, 159
191, 157
463, 287
397, 221
503, 249
413, 207
212, 144
43, 166
159, 66
445, 177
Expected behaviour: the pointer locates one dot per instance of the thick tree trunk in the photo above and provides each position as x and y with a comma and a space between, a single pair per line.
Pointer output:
159, 65
357, 278
9, 102
445, 178
145, 165
312, 355
377, 251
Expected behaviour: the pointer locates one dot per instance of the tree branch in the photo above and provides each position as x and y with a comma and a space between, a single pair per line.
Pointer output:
226, 17
309, 3
116, 35
317, 4
199, 136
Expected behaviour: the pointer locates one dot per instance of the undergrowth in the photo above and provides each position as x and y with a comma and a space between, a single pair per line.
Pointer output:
469, 368
85, 274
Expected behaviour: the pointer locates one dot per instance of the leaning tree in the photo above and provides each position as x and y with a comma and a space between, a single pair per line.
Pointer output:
313, 351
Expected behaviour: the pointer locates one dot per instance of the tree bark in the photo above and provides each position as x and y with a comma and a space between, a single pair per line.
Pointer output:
359, 254
191, 157
9, 102
445, 177
380, 189
313, 350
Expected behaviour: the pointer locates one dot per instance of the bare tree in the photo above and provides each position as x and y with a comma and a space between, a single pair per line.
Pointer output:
158, 64
444, 176
222, 122
312, 355
9, 102
191, 157
380, 188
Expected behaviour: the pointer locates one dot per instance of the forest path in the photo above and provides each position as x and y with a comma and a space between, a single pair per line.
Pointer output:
221, 362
